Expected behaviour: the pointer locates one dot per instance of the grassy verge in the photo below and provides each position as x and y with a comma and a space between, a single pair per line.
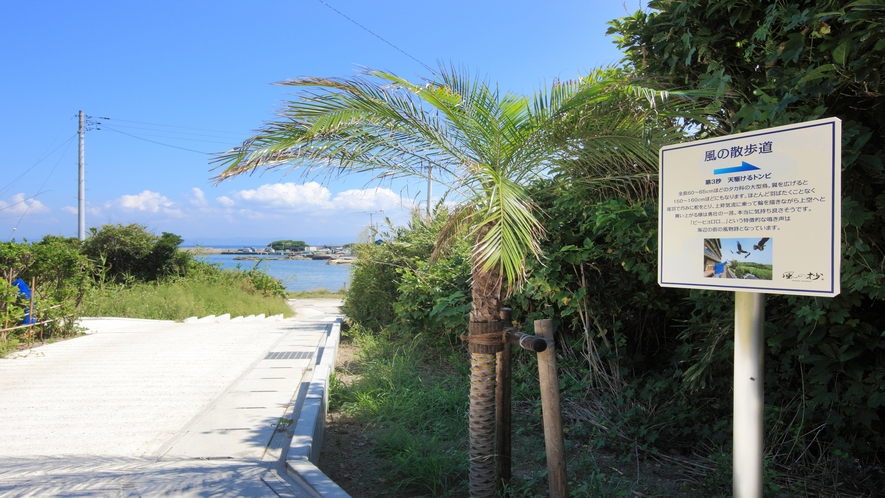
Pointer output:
318, 294
177, 299
411, 399
398, 412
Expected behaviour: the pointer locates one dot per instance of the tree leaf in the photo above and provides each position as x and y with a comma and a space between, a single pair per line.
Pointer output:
840, 54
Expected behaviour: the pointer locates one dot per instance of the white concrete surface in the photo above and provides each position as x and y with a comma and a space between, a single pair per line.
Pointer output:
154, 408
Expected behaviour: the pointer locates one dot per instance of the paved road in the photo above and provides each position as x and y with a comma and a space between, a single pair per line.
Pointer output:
157, 408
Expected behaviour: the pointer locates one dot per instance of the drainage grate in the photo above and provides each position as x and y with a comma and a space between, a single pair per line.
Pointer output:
289, 355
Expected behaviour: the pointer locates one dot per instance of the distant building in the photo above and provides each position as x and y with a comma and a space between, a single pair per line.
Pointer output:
712, 253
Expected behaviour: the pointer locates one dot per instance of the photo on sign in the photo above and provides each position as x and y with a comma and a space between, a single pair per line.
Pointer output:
745, 258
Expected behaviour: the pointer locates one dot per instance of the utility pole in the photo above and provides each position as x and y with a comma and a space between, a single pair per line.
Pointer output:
81, 197
371, 221
429, 187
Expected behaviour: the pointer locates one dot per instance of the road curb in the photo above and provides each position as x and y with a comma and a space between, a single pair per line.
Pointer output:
307, 439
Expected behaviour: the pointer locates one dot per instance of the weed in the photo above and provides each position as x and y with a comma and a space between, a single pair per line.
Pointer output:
416, 411
177, 299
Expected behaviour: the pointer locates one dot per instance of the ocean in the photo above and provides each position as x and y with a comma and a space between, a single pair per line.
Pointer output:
297, 275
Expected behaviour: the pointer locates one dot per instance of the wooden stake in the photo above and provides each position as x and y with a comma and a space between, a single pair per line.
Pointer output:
503, 411
31, 314
556, 473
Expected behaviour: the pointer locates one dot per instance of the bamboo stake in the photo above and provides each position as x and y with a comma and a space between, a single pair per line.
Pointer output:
556, 473
54, 320
525, 341
31, 313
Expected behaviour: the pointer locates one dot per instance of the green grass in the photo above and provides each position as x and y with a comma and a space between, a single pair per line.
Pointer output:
409, 397
416, 406
318, 293
178, 299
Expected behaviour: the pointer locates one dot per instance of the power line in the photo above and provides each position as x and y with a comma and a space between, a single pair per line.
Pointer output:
173, 132
376, 36
9, 206
168, 136
155, 142
25, 172
28, 208
171, 126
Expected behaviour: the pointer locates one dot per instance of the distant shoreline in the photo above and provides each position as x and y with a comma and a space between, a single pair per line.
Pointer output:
206, 250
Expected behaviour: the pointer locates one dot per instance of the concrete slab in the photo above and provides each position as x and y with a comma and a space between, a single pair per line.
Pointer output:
91, 416
138, 477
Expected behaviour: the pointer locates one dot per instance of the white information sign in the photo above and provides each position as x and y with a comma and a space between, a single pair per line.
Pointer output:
753, 212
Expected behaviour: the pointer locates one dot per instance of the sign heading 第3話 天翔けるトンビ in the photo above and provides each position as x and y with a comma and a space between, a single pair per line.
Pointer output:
753, 212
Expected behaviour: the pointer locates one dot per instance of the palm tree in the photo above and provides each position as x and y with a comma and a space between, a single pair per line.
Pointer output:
485, 146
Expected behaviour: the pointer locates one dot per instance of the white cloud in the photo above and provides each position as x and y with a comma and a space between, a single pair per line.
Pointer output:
19, 205
253, 215
198, 197
368, 199
313, 197
288, 195
146, 201
91, 210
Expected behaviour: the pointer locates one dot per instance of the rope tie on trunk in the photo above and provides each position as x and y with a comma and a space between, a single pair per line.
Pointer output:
485, 337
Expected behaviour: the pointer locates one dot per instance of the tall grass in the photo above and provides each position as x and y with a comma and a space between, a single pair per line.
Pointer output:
413, 396
409, 396
204, 291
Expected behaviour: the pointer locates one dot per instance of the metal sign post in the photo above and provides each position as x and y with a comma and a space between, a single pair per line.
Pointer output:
753, 213
749, 319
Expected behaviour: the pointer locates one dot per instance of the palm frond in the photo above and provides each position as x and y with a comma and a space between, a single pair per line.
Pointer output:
602, 129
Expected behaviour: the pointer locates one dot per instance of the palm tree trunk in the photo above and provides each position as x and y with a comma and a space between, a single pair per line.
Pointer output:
485, 341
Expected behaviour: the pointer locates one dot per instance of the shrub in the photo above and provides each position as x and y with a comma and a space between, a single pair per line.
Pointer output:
131, 251
395, 283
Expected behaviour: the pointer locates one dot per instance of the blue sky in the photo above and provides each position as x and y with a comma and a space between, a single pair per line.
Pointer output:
198, 75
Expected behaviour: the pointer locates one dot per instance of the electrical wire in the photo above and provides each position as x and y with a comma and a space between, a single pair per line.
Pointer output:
40, 191
9, 206
170, 126
174, 132
25, 172
141, 135
376, 36
153, 141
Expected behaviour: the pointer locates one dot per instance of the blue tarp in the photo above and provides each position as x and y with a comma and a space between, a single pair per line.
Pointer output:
25, 293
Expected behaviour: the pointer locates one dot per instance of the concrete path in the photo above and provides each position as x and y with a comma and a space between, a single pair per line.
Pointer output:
158, 408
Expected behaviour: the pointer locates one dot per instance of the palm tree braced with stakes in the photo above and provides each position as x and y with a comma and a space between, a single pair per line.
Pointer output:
485, 146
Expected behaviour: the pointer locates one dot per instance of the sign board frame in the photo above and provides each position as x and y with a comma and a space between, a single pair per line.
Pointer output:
771, 195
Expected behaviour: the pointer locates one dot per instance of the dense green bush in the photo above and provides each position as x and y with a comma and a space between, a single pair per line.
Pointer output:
60, 275
395, 283
373, 287
779, 63
130, 251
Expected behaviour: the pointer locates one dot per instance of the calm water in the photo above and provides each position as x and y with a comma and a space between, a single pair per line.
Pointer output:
297, 275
